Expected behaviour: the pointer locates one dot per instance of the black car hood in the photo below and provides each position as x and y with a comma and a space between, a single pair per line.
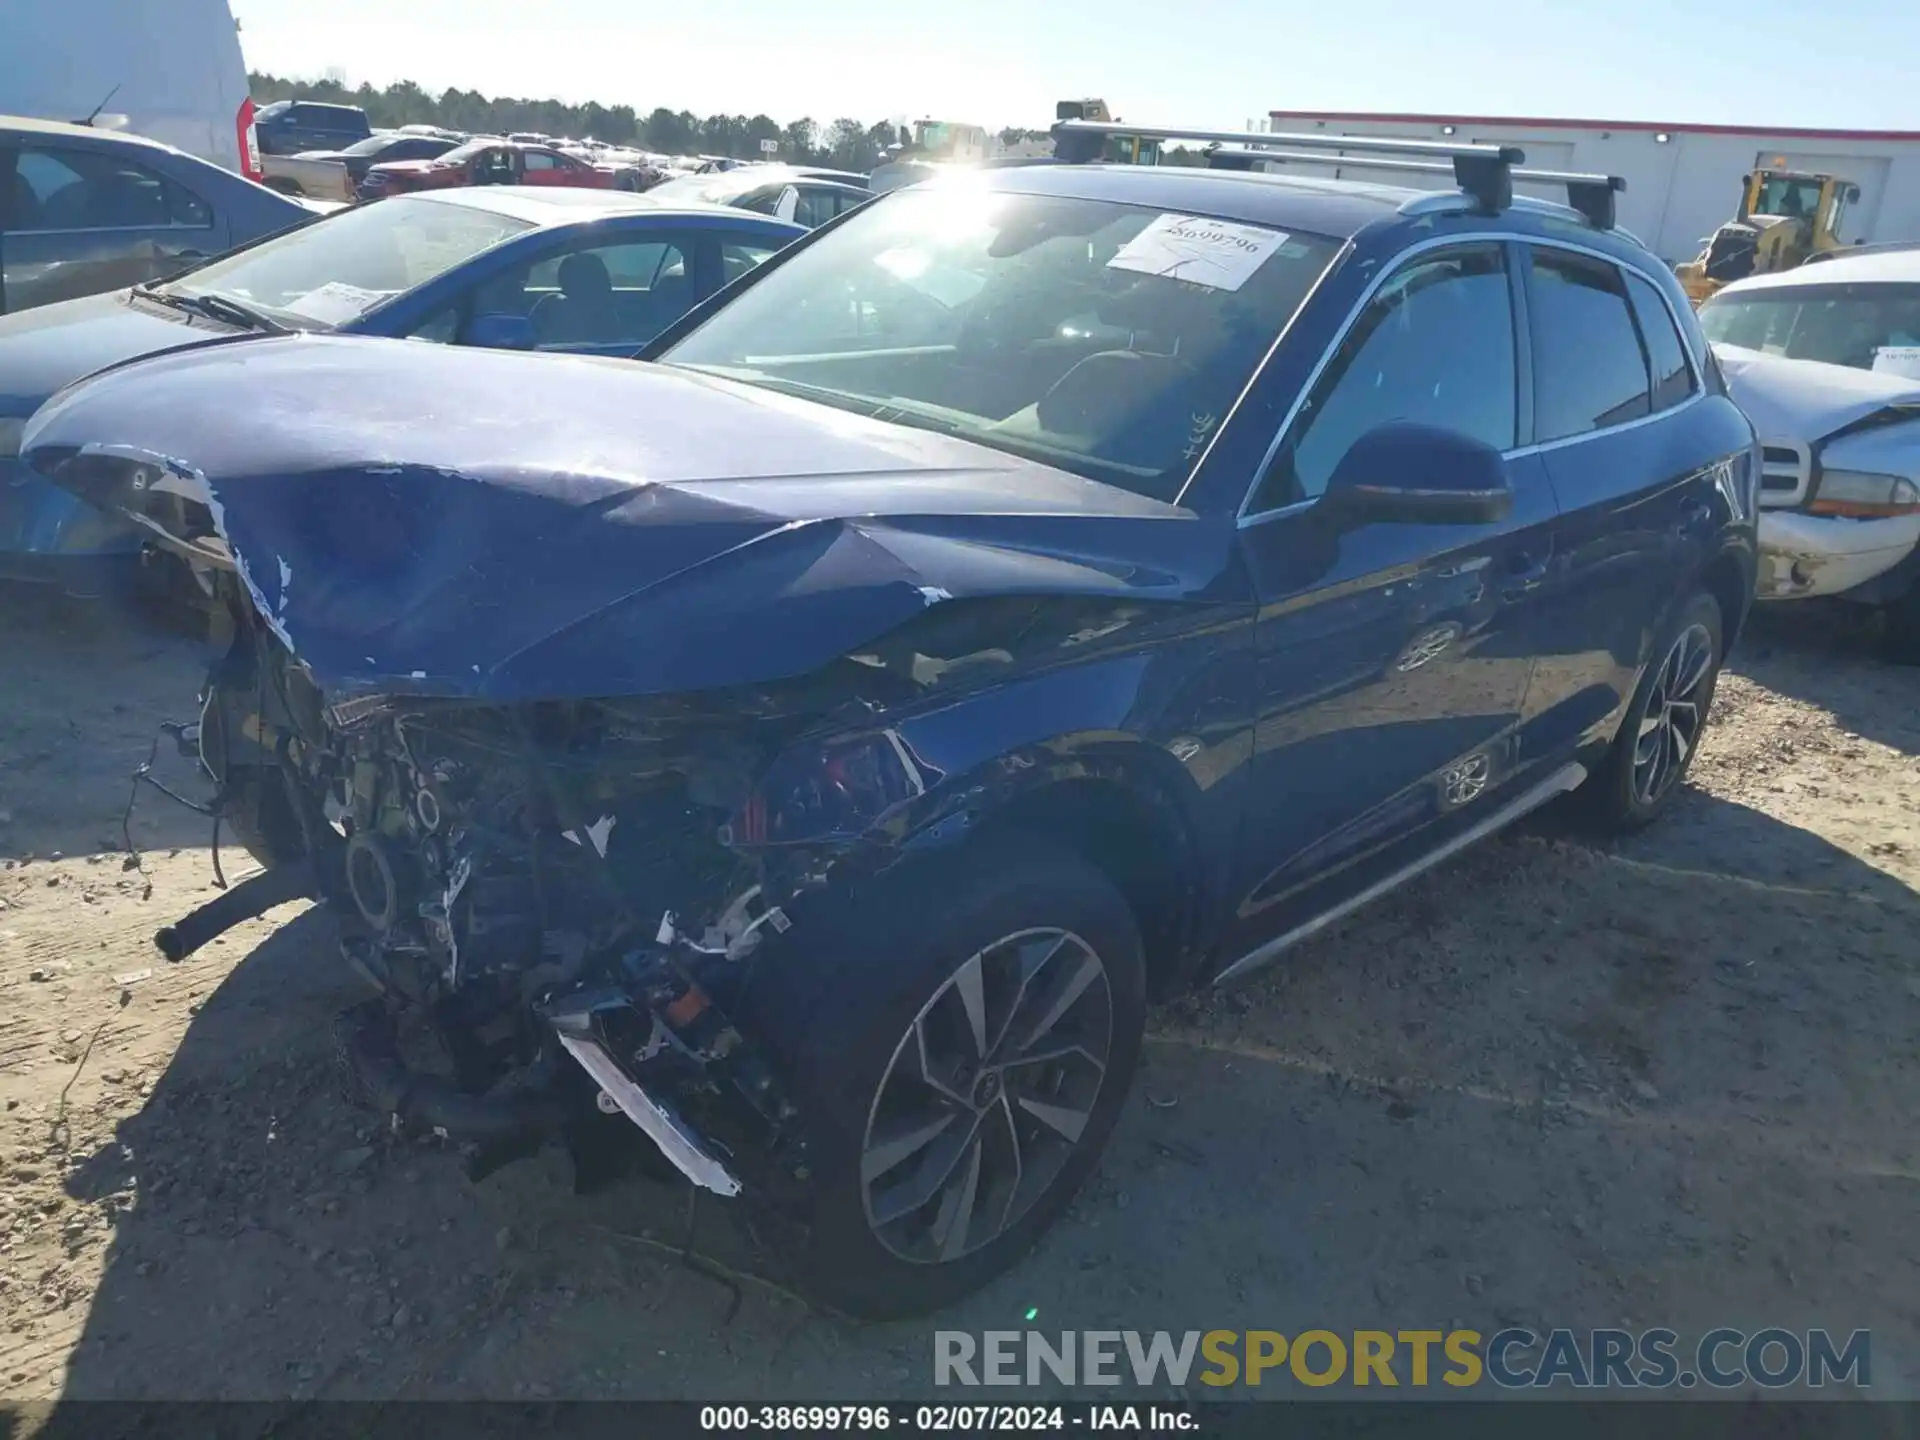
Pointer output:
413, 518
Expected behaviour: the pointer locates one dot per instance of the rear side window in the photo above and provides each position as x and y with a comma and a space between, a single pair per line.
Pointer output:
1434, 345
1589, 370
55, 188
815, 207
1666, 358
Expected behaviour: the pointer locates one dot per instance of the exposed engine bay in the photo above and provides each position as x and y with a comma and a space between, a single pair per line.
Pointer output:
559, 898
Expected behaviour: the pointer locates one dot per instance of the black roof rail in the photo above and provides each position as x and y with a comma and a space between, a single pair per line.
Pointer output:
1483, 171
1591, 195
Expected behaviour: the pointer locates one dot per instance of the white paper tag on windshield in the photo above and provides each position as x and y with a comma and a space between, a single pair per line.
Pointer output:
334, 302
1901, 360
1216, 253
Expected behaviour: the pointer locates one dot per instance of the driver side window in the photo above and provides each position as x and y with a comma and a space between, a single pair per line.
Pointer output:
1435, 345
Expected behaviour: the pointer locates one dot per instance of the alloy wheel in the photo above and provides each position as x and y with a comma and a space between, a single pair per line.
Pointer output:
1675, 711
987, 1095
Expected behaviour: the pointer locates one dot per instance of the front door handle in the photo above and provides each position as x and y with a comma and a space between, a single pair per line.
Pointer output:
1526, 572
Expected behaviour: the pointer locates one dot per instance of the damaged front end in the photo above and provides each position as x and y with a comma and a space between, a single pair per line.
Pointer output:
614, 735
556, 902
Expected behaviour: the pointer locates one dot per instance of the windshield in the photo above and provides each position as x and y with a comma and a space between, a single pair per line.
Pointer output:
714, 189
374, 144
1788, 195
1106, 339
334, 271
471, 148
1839, 324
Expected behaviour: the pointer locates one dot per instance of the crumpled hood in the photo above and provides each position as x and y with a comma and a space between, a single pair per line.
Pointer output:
513, 526
1807, 400
51, 346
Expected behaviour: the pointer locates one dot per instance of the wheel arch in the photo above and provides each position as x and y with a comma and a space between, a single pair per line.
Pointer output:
1130, 824
1122, 802
1728, 578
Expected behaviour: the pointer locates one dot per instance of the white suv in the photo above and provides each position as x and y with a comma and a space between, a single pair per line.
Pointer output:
1825, 360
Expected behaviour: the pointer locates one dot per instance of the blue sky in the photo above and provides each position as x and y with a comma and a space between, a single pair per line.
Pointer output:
1214, 63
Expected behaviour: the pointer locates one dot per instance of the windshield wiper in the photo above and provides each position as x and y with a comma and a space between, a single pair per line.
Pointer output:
215, 307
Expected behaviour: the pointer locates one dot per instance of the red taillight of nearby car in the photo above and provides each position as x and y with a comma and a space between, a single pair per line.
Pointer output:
249, 139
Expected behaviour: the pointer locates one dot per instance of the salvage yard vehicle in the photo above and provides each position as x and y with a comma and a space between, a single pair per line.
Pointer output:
798, 193
85, 210
1785, 219
336, 174
1030, 594
289, 127
496, 162
1825, 360
580, 271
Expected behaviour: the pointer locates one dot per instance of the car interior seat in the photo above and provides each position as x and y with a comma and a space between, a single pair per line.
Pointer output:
1132, 407
581, 312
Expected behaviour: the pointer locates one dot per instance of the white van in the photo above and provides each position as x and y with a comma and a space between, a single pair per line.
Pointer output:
172, 72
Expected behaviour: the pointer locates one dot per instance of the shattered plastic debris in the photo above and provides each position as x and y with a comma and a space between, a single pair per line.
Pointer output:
597, 833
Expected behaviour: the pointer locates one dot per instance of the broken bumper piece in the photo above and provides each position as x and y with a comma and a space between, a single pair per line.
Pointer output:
574, 1024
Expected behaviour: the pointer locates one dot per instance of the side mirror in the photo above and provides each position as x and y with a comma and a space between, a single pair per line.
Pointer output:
1408, 474
499, 332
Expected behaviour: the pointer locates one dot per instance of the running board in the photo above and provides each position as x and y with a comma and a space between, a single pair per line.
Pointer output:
1559, 783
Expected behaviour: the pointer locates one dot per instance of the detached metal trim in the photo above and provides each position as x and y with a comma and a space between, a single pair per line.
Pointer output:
662, 1126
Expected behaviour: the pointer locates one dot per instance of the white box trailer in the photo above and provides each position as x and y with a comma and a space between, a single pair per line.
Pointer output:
1682, 180
170, 71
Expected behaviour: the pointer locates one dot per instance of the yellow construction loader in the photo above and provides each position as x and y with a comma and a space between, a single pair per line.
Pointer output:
1785, 216
1121, 149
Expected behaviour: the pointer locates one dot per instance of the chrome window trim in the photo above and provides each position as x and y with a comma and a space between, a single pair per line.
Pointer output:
1247, 517
116, 229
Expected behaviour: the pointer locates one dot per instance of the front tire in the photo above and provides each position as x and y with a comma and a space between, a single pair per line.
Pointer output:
1664, 723
961, 1037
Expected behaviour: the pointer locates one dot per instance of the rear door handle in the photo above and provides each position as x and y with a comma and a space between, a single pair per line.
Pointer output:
1526, 572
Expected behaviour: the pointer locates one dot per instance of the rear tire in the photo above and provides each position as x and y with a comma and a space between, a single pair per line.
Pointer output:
920, 1191
1648, 762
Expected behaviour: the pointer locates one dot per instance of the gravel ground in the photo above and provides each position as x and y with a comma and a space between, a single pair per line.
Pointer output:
1669, 1083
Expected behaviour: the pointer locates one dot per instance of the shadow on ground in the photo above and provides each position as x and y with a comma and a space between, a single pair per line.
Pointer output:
1544, 1086
88, 685
1829, 655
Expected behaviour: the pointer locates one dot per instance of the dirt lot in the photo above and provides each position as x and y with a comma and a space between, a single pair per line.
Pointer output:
1671, 1083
